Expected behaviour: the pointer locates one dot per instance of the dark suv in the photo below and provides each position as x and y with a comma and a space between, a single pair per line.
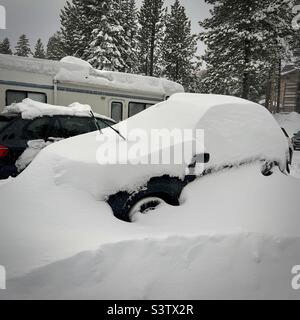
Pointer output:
15, 133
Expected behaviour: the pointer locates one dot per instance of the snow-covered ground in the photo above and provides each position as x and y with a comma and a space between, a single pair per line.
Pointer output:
235, 235
295, 169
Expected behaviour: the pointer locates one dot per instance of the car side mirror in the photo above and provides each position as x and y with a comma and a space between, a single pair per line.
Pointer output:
200, 158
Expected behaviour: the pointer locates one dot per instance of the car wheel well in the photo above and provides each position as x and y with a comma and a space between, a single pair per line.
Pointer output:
167, 188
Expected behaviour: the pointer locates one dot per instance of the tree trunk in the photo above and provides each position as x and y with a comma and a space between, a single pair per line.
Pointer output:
279, 87
268, 92
152, 48
246, 75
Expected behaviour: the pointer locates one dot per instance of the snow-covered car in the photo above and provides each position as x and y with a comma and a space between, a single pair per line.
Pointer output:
236, 132
29, 126
296, 141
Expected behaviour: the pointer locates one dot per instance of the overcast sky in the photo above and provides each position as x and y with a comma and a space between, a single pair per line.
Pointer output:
40, 18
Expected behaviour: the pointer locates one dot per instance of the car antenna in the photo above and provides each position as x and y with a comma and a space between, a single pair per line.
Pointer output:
115, 130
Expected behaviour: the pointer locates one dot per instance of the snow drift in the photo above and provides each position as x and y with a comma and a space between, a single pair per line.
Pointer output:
236, 235
239, 266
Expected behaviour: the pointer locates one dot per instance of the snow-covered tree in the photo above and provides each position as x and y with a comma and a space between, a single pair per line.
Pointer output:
5, 47
39, 51
151, 20
55, 47
179, 47
23, 47
128, 19
108, 42
245, 41
78, 19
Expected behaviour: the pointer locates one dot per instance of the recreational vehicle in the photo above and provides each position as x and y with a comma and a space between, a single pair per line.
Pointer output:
113, 94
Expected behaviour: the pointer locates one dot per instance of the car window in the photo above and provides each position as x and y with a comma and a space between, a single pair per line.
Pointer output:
12, 135
73, 126
37, 129
103, 125
4, 122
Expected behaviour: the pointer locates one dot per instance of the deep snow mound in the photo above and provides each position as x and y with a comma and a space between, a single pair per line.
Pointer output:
237, 266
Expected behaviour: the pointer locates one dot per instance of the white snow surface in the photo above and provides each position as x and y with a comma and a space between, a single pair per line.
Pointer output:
235, 235
235, 131
30, 109
33, 149
76, 61
76, 71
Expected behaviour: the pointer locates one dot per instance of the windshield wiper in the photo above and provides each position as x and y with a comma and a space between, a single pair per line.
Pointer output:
98, 127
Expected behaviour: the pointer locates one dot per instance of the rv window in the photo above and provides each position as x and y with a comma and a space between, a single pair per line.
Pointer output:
13, 96
137, 107
40, 97
117, 111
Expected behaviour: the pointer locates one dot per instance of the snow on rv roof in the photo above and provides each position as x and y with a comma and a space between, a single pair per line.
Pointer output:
74, 70
30, 109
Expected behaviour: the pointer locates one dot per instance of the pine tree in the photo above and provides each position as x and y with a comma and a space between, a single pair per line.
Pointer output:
55, 47
39, 51
5, 47
108, 41
244, 44
77, 23
23, 47
128, 19
179, 47
104, 32
151, 19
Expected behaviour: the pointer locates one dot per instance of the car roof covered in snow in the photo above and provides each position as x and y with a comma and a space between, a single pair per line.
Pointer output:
235, 132
30, 109
76, 71
185, 110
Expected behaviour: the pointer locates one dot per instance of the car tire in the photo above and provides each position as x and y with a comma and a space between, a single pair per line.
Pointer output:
164, 188
267, 169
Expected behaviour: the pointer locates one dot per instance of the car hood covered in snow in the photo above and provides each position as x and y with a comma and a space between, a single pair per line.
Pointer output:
235, 131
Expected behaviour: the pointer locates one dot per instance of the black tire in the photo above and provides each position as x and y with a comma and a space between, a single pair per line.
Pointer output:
267, 169
166, 188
